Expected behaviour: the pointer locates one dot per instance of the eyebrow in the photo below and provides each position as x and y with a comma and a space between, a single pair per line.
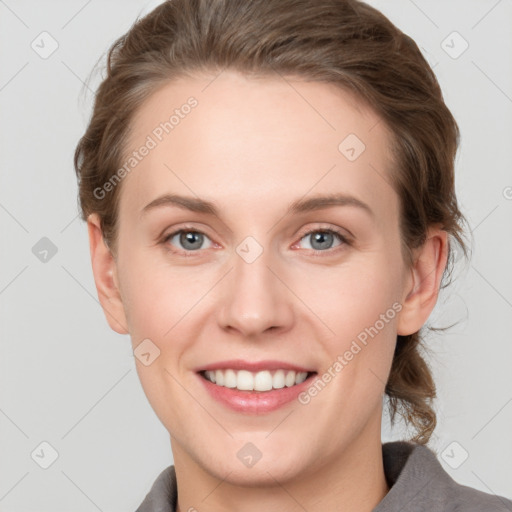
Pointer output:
319, 202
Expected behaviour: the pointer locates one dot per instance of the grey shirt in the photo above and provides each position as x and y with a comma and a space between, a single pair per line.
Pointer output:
417, 481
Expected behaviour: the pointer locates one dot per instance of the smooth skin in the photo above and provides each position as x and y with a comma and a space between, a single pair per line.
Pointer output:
252, 146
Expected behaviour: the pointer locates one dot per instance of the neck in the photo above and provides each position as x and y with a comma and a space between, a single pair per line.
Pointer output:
353, 481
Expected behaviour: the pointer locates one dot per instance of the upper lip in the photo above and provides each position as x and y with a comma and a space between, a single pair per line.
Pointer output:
254, 366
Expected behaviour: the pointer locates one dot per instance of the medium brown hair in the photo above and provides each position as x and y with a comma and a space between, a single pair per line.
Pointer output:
342, 42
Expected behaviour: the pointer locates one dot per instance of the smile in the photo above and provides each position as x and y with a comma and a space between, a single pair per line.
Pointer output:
265, 380
254, 387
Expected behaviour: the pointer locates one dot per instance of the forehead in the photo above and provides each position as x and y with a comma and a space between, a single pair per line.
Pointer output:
269, 140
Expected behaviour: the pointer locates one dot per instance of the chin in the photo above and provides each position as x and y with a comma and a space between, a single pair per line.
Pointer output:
247, 466
261, 474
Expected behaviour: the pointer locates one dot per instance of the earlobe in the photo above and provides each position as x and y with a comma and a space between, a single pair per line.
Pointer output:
104, 271
422, 289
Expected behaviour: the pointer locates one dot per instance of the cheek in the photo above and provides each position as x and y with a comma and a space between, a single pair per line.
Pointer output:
159, 303
352, 296
163, 303
359, 304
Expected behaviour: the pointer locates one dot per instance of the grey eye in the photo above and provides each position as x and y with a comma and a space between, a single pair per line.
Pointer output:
188, 240
321, 239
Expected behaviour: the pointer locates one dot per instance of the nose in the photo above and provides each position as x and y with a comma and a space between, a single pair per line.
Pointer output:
255, 297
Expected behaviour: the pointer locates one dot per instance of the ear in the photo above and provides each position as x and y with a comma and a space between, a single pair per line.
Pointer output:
104, 269
422, 288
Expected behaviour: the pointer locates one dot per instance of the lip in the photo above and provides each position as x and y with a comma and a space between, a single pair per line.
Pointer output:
255, 402
240, 364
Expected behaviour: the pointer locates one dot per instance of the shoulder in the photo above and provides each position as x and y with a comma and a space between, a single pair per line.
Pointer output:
467, 499
462, 497
163, 493
418, 482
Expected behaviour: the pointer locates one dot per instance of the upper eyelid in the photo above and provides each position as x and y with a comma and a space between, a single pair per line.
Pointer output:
303, 233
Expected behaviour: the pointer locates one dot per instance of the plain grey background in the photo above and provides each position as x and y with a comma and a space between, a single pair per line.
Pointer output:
69, 381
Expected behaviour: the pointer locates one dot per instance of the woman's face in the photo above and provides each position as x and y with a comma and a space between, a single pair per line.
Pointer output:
275, 280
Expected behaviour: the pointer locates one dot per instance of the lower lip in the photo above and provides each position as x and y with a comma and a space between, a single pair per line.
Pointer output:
255, 402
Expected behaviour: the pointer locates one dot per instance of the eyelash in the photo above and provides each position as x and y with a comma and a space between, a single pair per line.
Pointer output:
316, 253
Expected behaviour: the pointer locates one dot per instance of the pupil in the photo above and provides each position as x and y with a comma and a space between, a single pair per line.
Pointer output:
188, 238
321, 238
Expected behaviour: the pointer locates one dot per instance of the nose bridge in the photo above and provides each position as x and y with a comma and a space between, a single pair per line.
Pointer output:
256, 299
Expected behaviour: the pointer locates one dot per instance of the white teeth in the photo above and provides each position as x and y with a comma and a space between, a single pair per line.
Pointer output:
258, 381
278, 379
289, 380
263, 381
245, 380
300, 377
230, 379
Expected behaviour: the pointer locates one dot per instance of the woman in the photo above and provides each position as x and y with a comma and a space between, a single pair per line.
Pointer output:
229, 142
